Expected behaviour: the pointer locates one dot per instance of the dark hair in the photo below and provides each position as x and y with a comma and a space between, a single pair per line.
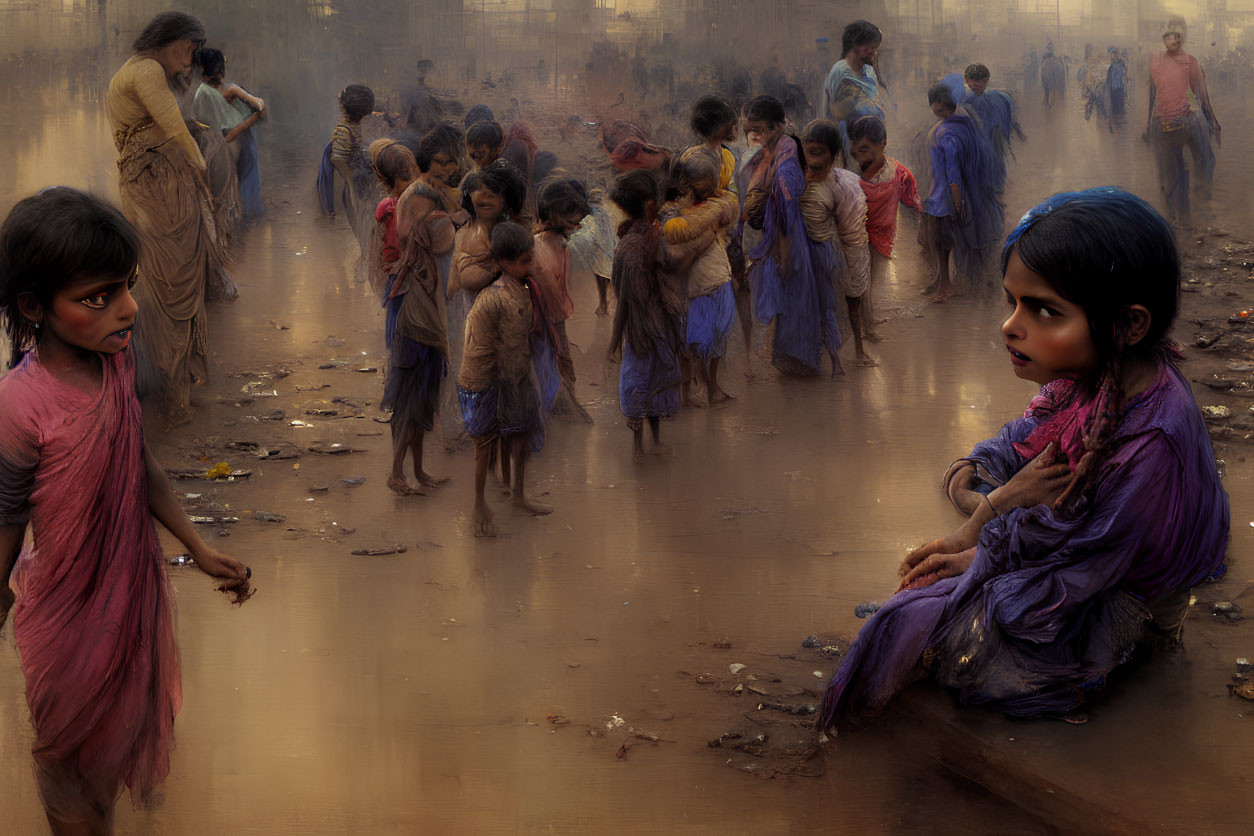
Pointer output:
562, 197
940, 94
870, 128
976, 72
767, 108
485, 133
543, 165
53, 238
826, 133
859, 33
211, 61
357, 101
444, 138
500, 177
633, 191
511, 241
392, 162
1104, 250
479, 113
709, 114
168, 27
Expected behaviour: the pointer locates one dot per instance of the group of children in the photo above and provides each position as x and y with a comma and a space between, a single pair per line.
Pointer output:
1071, 528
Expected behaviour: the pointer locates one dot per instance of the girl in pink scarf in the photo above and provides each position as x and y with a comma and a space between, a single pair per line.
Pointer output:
93, 613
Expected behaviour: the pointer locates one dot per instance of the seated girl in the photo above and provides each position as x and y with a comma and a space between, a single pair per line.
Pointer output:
1091, 516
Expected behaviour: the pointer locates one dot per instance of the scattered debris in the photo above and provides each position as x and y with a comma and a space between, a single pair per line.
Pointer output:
722, 644
811, 641
353, 481
397, 549
182, 560
266, 516
558, 720
867, 609
332, 448
1226, 609
736, 668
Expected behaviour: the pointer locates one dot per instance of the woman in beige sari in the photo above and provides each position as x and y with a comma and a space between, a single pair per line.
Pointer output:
165, 195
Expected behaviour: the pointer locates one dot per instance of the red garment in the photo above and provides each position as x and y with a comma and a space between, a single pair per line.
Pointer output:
1174, 76
628, 148
882, 197
520, 148
94, 618
385, 214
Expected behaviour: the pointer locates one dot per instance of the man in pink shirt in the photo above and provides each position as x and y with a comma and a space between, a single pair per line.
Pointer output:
1174, 124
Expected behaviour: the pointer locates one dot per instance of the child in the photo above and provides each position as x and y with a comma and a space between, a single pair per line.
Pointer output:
1062, 567
786, 289
963, 213
491, 196
94, 613
232, 110
834, 209
508, 376
395, 169
699, 223
995, 109
886, 182
648, 382
562, 207
484, 143
346, 155
417, 329
593, 245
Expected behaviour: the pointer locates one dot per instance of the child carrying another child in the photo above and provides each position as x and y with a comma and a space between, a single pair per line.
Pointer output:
508, 376
94, 611
647, 330
886, 182
703, 212
834, 209
1091, 516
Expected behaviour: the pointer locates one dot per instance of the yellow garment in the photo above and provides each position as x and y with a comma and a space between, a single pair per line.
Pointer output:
685, 224
728, 171
139, 93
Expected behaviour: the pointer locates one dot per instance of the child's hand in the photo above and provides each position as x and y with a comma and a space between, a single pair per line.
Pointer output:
936, 568
1040, 482
217, 565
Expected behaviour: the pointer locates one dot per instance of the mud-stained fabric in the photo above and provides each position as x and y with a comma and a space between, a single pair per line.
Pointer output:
94, 616
1052, 604
834, 210
165, 195
649, 378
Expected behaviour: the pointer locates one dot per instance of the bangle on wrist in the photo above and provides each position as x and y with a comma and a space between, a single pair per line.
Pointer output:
991, 506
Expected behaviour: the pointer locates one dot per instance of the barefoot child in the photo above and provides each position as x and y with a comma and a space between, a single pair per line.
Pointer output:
886, 182
417, 332
508, 376
94, 612
834, 209
562, 207
648, 382
703, 212
593, 246
1091, 516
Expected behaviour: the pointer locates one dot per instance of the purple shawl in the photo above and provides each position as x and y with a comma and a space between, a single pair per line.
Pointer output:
1052, 605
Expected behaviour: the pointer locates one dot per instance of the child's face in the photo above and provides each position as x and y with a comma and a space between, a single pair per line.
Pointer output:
488, 204
481, 155
176, 57
518, 268
568, 222
1048, 337
1172, 41
819, 159
93, 314
727, 133
703, 188
867, 153
866, 52
443, 168
761, 132
942, 110
978, 86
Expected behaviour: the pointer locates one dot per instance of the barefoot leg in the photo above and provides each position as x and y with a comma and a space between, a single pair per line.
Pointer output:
603, 294
425, 479
655, 427
637, 442
401, 439
520, 498
857, 325
482, 514
717, 395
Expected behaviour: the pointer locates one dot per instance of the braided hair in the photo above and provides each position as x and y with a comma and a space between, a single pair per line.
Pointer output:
1104, 250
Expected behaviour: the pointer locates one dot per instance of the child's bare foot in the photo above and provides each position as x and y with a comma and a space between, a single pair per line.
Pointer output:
483, 522
532, 506
398, 485
871, 336
428, 481
695, 403
719, 396
930, 289
865, 361
838, 371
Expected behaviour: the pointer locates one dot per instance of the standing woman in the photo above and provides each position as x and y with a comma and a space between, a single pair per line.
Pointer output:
165, 195
786, 288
